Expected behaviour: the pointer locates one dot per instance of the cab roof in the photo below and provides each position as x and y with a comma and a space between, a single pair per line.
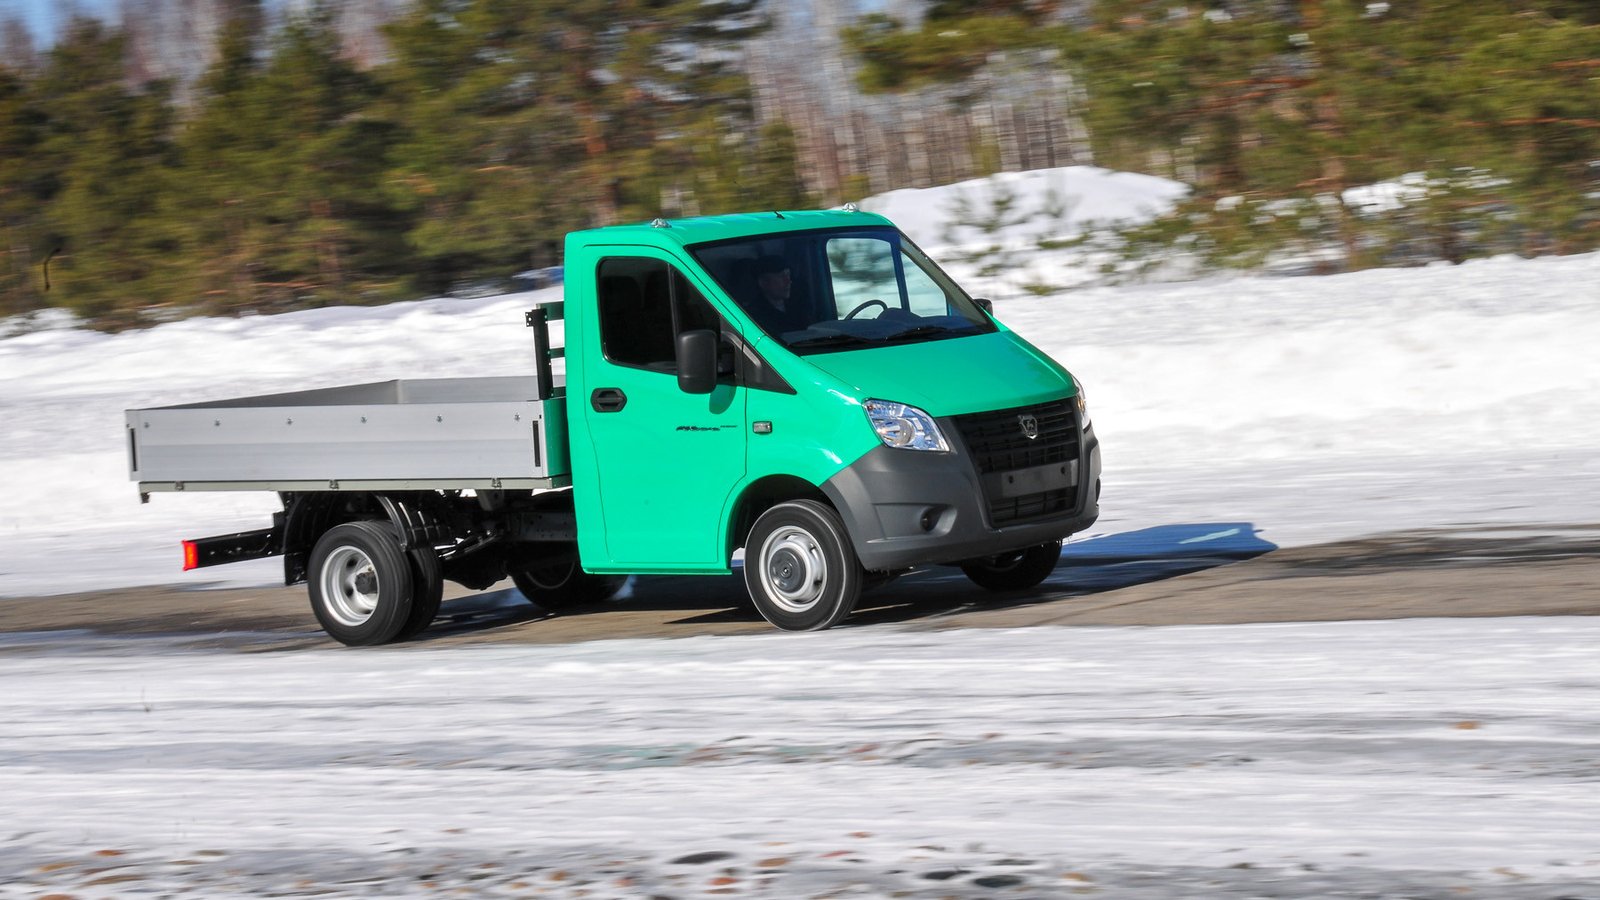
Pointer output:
704, 229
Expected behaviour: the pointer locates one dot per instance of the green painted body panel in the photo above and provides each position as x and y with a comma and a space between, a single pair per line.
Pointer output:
951, 377
657, 486
680, 233
816, 431
556, 442
651, 481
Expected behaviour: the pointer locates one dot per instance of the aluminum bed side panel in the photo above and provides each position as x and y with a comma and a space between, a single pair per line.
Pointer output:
404, 391
420, 441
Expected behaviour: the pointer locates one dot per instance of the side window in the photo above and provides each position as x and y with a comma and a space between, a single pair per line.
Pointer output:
644, 304
927, 298
694, 311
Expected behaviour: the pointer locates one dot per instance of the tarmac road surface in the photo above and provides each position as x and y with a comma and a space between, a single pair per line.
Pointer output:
1499, 572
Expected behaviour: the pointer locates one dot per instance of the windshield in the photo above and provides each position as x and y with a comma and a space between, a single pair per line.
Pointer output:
824, 291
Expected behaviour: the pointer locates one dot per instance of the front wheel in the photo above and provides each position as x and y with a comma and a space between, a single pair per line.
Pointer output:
1014, 571
799, 566
361, 584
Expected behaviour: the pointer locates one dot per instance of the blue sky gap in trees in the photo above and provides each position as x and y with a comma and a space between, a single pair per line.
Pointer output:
45, 18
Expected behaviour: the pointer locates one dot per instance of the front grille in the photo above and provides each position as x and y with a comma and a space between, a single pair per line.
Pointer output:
1011, 510
998, 443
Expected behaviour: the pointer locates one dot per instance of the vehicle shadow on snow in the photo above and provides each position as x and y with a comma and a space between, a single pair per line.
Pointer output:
1088, 567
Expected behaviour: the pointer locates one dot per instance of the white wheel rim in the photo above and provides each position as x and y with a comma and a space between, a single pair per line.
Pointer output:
793, 569
350, 586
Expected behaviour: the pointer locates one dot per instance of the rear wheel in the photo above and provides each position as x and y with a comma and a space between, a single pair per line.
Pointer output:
800, 568
1017, 570
360, 584
563, 585
427, 578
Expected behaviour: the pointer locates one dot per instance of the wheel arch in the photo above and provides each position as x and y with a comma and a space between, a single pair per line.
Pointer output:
416, 517
307, 517
761, 495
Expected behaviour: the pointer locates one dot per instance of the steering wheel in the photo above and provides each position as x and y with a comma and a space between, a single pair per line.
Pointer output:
863, 307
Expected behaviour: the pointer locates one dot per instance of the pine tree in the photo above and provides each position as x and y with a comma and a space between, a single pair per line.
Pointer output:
953, 43
111, 147
26, 182
525, 119
1274, 111
484, 165
287, 153
1528, 101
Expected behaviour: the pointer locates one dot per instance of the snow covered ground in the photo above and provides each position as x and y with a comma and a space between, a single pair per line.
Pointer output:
1392, 759
1395, 759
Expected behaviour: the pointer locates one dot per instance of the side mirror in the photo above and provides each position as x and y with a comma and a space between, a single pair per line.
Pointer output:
697, 361
985, 304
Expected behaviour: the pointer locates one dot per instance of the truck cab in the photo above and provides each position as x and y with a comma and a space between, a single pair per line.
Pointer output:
811, 387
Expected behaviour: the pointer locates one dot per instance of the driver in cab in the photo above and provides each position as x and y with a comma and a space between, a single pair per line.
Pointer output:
773, 308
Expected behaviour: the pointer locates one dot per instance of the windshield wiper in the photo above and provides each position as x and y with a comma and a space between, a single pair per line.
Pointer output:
827, 340
922, 331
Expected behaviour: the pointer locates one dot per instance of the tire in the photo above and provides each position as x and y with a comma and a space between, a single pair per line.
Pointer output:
360, 584
427, 580
1017, 570
564, 585
799, 566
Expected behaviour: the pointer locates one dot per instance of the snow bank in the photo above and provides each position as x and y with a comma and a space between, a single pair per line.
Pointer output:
1024, 207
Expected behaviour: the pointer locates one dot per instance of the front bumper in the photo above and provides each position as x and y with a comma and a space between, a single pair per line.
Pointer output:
907, 508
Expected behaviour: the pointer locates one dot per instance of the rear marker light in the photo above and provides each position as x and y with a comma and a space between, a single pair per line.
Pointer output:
191, 556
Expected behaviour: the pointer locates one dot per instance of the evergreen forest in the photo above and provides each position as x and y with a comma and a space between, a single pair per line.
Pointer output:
290, 177
1481, 117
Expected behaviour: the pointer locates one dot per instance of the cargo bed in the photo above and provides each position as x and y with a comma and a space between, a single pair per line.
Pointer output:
425, 434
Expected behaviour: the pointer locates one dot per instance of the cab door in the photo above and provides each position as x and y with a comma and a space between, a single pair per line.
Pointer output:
667, 462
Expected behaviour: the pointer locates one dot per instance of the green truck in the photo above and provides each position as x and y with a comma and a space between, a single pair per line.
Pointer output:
806, 387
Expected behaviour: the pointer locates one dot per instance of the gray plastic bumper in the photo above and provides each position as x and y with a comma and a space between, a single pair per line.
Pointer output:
910, 507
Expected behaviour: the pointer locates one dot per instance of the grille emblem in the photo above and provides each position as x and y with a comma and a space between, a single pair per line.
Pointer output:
1030, 426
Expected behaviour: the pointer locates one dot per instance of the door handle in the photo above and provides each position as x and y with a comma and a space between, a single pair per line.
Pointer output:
608, 399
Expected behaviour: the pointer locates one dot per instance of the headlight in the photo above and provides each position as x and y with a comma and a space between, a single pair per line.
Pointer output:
904, 427
1083, 403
